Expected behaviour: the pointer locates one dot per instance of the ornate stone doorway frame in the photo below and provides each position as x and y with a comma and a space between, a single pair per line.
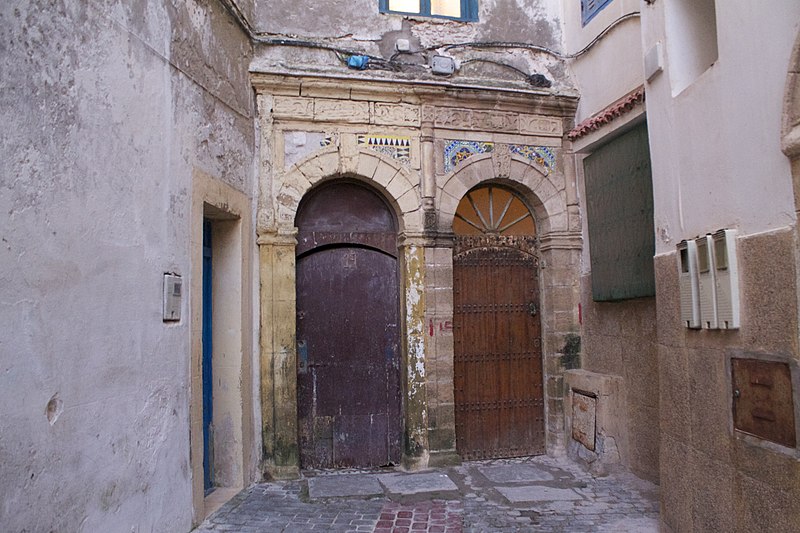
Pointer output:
344, 117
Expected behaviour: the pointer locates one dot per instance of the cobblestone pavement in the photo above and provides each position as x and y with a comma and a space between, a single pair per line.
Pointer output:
530, 494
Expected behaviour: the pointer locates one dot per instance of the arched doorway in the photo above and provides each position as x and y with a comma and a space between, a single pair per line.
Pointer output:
497, 329
348, 322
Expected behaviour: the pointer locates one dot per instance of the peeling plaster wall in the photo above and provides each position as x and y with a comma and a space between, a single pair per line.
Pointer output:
107, 108
358, 26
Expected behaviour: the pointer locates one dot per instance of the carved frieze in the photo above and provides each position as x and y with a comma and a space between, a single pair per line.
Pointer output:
396, 115
288, 107
447, 117
494, 121
341, 110
537, 125
499, 121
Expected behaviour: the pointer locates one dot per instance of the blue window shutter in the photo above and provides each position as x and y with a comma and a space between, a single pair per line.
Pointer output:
590, 8
469, 10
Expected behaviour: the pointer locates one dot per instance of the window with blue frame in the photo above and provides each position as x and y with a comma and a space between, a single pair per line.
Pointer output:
590, 8
453, 9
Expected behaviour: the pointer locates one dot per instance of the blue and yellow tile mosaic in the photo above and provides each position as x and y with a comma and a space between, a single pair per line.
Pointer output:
456, 152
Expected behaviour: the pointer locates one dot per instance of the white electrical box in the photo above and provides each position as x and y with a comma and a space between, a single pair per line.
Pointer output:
173, 292
707, 282
727, 278
690, 299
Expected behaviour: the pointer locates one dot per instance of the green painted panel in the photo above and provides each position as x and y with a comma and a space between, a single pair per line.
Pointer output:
619, 210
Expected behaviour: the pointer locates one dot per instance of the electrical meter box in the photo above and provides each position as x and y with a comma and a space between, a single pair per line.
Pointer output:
173, 286
727, 278
690, 299
706, 282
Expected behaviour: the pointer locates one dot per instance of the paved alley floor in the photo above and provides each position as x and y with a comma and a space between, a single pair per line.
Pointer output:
531, 494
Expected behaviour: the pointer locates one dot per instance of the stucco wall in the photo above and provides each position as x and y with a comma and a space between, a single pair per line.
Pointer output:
609, 68
107, 108
726, 127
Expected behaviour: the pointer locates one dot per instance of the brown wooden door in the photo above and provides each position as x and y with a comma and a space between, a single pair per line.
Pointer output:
498, 360
348, 371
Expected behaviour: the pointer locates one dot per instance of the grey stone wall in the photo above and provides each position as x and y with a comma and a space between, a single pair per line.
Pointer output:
107, 110
318, 30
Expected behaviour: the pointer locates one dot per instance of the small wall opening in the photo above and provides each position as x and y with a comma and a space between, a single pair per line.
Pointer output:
691, 40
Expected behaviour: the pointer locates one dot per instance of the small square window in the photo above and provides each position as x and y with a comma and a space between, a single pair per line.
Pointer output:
466, 10
590, 8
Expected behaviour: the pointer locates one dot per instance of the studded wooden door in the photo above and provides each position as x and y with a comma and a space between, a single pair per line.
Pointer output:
498, 361
348, 371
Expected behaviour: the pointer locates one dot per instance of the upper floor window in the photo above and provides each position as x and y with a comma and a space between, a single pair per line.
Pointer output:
453, 9
590, 8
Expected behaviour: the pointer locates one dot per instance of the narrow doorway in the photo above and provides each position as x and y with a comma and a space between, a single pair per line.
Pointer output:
207, 367
497, 366
348, 323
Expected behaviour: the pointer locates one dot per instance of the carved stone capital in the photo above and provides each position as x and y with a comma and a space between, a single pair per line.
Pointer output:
278, 237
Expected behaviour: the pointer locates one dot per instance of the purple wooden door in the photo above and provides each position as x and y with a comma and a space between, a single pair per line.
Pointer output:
348, 370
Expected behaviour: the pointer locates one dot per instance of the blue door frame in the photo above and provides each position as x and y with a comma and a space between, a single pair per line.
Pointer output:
208, 404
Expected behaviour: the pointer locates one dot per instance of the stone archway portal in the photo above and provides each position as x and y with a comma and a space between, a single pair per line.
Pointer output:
348, 368
498, 359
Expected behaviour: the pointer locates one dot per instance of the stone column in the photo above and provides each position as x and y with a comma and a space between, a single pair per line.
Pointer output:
428, 169
278, 353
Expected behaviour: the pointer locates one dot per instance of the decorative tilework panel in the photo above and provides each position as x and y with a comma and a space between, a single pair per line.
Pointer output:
457, 151
539, 154
396, 147
331, 139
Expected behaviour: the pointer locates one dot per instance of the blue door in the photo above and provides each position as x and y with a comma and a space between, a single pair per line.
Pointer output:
208, 460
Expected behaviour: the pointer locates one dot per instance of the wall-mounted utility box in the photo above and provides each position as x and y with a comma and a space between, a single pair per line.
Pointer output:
709, 281
688, 280
706, 282
173, 291
727, 278
763, 403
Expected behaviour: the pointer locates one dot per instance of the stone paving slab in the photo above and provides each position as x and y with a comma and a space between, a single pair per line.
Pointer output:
511, 473
537, 493
407, 484
344, 486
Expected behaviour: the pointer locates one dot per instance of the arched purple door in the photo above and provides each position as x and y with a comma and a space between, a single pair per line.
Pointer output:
348, 319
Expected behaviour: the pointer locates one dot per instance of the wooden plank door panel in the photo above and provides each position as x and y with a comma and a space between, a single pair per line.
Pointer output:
348, 329
497, 364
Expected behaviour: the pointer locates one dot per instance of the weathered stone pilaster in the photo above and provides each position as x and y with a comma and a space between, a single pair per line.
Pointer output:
417, 447
278, 353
